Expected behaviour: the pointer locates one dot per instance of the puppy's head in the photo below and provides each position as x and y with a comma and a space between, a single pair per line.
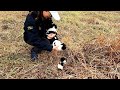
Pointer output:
57, 43
52, 29
61, 46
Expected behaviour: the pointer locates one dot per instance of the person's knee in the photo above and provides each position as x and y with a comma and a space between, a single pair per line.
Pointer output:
49, 48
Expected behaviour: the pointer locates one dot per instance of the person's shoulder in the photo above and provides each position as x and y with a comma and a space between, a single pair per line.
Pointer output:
34, 14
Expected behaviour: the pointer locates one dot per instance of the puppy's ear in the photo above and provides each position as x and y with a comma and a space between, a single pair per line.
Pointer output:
64, 46
54, 25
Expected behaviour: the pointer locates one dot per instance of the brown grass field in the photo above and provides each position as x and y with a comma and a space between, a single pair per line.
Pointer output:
93, 47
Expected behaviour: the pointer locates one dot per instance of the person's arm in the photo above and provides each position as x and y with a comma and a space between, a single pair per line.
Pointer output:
30, 23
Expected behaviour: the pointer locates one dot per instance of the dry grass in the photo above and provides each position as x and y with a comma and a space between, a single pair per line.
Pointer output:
93, 47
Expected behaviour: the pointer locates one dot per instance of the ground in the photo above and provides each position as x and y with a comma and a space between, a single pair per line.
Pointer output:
93, 47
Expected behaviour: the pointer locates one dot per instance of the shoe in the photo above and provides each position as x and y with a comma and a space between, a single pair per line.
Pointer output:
34, 56
34, 53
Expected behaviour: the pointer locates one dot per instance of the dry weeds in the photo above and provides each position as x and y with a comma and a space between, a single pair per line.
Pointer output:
93, 47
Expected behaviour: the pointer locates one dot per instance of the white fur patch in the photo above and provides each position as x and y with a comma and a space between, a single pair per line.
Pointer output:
57, 43
52, 29
64, 62
60, 66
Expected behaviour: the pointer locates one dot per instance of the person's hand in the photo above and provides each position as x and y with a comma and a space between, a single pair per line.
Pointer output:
55, 48
51, 35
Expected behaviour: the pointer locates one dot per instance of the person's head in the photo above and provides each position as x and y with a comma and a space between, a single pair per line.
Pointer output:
50, 14
47, 14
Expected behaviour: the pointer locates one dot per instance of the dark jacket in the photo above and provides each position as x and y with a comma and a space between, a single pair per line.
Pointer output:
35, 31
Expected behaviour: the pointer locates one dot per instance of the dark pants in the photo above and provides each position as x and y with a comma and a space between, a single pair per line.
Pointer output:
39, 45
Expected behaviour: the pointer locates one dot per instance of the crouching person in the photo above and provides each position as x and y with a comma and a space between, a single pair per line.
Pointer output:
35, 26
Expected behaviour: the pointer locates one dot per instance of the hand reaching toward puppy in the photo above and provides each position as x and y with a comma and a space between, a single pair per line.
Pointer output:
55, 48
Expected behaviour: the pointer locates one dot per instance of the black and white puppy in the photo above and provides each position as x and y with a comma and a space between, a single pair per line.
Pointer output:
61, 46
61, 64
52, 29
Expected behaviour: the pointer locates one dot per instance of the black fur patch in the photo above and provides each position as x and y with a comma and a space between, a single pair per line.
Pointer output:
64, 46
61, 60
54, 26
51, 32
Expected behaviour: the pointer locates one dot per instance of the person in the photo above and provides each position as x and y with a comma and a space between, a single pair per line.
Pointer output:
35, 27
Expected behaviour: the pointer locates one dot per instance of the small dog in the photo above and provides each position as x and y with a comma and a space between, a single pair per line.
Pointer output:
61, 64
61, 46
52, 29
